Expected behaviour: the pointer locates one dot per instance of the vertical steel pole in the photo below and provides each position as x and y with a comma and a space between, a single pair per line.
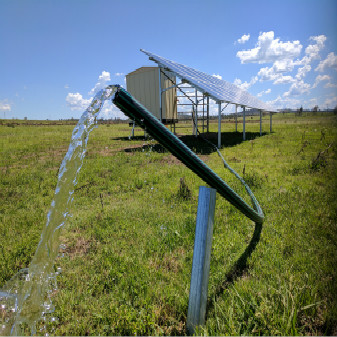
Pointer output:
201, 258
260, 122
244, 123
219, 126
271, 127
160, 97
196, 112
207, 113
203, 113
236, 118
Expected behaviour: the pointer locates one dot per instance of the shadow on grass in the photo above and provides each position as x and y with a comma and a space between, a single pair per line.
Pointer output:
196, 144
239, 268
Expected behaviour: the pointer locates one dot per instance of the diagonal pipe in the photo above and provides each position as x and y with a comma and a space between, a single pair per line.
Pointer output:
137, 112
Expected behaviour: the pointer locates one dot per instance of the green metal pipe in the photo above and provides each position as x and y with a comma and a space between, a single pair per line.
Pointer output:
137, 112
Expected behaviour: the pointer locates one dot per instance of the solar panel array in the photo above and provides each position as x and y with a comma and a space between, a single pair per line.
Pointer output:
219, 90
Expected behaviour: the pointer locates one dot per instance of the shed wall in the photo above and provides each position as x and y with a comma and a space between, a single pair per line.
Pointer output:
143, 84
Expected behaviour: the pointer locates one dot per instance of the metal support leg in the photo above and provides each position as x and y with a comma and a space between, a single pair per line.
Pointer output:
201, 259
236, 118
160, 97
196, 113
244, 123
219, 126
207, 114
260, 122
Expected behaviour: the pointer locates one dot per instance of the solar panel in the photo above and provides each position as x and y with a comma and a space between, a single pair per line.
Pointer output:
219, 90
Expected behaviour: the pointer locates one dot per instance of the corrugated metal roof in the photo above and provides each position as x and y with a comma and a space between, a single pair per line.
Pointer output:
219, 90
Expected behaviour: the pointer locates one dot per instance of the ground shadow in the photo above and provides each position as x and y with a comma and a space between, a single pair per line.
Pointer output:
238, 269
197, 144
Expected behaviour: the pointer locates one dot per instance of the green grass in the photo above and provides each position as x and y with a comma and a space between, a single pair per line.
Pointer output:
129, 245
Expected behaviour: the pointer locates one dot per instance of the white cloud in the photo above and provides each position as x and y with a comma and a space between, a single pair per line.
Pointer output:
119, 74
330, 85
329, 62
103, 79
331, 102
268, 91
269, 50
301, 72
282, 66
219, 77
313, 49
298, 88
321, 78
285, 102
110, 111
5, 106
267, 74
243, 38
284, 80
271, 74
76, 102
245, 85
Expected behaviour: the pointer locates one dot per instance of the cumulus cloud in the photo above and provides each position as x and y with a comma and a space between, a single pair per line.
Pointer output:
313, 49
102, 82
219, 77
268, 91
298, 88
269, 50
282, 66
285, 102
110, 111
267, 74
119, 74
330, 85
331, 101
272, 74
245, 85
329, 62
301, 72
284, 80
243, 38
5, 106
76, 102
321, 78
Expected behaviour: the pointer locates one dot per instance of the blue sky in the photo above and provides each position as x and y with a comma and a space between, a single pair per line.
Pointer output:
55, 54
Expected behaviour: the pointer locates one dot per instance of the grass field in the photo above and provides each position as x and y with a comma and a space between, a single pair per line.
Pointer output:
127, 249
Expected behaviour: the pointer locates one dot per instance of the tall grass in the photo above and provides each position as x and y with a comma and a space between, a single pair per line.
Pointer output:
127, 250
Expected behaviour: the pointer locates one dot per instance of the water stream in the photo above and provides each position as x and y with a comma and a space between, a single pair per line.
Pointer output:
25, 300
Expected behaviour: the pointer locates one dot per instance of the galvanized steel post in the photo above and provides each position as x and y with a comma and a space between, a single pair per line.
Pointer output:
271, 116
236, 118
201, 259
196, 113
260, 122
160, 97
207, 113
244, 123
219, 126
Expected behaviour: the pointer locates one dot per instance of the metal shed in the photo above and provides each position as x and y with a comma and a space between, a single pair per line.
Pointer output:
146, 83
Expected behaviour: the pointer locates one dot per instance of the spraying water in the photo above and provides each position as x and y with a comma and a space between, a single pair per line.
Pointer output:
26, 298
